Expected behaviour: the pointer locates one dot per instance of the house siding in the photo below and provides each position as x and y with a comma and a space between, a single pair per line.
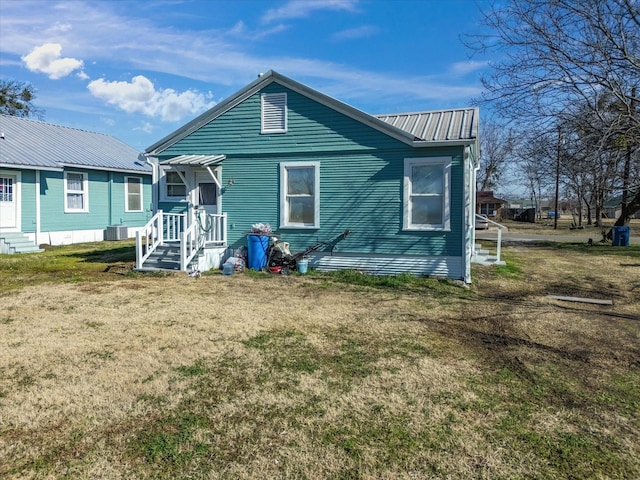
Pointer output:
28, 200
101, 212
361, 178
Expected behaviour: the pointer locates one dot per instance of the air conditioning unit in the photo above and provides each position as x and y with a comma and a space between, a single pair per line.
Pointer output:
117, 232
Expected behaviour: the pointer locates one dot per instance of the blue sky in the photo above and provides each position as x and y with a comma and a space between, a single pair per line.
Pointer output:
138, 70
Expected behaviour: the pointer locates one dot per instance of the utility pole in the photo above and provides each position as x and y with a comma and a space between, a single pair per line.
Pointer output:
555, 213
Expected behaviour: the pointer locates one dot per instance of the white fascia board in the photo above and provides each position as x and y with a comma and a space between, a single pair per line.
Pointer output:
14, 166
105, 169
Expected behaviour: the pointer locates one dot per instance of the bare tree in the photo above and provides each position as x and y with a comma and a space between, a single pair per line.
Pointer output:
16, 99
555, 54
497, 147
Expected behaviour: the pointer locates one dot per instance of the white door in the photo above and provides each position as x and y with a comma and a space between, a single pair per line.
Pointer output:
8, 202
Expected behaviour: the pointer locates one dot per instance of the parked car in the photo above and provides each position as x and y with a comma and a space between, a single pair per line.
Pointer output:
482, 222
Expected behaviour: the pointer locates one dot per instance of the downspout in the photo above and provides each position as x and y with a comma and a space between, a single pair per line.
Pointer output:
154, 183
38, 225
470, 250
110, 197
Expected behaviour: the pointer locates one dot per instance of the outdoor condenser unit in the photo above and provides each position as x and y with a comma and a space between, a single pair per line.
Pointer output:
117, 232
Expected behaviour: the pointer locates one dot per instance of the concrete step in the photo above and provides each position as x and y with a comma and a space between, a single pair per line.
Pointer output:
17, 242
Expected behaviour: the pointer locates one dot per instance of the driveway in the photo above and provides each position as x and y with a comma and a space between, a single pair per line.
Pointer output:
533, 237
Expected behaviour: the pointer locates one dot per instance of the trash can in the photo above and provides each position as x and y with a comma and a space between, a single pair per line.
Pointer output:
258, 246
621, 236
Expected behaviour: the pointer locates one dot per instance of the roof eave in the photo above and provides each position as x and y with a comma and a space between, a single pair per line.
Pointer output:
24, 166
444, 143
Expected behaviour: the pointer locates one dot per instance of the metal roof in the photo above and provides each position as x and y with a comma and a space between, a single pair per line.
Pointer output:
437, 126
199, 160
33, 144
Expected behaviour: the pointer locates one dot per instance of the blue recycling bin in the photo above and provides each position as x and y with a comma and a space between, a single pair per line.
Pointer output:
257, 246
621, 236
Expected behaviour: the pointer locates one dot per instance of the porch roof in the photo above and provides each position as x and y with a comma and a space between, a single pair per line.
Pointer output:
194, 160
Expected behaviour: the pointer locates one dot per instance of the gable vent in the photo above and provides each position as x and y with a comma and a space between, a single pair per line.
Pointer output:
274, 112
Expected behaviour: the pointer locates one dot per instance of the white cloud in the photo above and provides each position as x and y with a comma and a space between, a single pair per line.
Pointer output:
141, 96
47, 59
146, 127
304, 8
355, 33
463, 68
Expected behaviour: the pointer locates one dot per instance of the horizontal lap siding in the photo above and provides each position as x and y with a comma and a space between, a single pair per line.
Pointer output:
100, 214
28, 200
361, 177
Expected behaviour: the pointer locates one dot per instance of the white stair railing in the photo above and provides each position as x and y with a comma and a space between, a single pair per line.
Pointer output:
499, 240
170, 227
148, 238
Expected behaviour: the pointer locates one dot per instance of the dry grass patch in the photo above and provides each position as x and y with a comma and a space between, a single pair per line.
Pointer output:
324, 376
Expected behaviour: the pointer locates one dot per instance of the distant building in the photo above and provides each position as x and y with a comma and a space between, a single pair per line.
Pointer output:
487, 204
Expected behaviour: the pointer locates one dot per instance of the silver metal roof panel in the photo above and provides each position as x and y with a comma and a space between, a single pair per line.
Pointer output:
34, 144
437, 126
197, 160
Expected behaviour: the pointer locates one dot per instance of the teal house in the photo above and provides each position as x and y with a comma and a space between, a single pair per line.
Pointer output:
61, 185
312, 167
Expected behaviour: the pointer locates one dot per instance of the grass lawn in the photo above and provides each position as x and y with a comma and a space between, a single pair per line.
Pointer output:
105, 373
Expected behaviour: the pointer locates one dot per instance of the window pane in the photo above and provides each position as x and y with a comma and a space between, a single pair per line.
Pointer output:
134, 202
74, 181
176, 190
207, 193
133, 184
300, 181
427, 179
6, 189
301, 210
426, 211
173, 177
75, 201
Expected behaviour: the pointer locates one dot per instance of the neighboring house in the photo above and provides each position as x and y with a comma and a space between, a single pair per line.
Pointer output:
487, 204
61, 185
281, 153
613, 206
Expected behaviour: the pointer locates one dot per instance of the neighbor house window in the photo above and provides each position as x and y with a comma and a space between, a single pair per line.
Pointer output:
487, 208
426, 193
76, 192
274, 112
133, 194
300, 194
175, 187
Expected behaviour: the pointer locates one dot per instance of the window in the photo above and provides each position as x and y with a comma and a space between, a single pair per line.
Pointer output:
6, 189
426, 193
300, 194
274, 112
76, 189
487, 208
133, 194
175, 187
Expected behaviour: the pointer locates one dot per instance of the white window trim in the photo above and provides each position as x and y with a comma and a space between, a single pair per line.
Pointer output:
84, 192
284, 223
280, 98
163, 187
445, 163
126, 194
